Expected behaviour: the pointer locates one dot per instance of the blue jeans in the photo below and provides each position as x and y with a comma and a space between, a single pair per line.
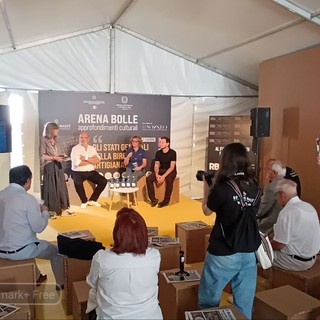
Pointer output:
240, 269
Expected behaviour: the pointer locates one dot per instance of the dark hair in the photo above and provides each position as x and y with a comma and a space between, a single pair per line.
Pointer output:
166, 138
130, 232
20, 175
234, 159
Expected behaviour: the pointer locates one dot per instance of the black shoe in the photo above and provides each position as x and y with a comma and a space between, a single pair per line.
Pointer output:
163, 204
42, 278
59, 287
154, 202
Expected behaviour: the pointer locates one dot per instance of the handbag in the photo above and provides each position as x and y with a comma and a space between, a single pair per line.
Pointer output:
78, 248
264, 254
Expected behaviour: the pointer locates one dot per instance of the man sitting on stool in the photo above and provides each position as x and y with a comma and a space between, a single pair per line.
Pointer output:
296, 238
84, 157
164, 170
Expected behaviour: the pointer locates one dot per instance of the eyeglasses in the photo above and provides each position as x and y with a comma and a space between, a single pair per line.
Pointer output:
135, 141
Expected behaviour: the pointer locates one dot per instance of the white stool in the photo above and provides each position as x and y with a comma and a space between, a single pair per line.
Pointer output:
127, 191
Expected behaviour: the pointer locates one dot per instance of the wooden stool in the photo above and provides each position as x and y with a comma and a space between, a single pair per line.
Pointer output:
80, 298
307, 281
159, 191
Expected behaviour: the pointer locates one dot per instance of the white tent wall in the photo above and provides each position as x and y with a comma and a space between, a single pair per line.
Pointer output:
83, 63
77, 64
141, 67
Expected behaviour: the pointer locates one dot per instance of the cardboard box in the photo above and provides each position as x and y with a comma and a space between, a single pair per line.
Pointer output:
19, 276
80, 298
176, 298
142, 192
170, 257
236, 312
192, 240
285, 302
307, 281
74, 270
159, 190
25, 312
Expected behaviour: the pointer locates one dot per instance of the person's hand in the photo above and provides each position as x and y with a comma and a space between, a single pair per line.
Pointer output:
206, 188
160, 179
82, 158
57, 158
43, 208
129, 155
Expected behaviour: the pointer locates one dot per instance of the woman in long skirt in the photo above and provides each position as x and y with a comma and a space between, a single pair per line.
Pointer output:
54, 189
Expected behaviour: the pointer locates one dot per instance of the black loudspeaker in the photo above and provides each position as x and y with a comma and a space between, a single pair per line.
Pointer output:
5, 130
260, 122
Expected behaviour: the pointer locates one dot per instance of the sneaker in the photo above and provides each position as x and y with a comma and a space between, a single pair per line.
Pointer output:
42, 278
94, 203
83, 205
154, 202
163, 204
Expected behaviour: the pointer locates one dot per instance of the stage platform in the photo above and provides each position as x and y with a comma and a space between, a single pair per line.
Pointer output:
100, 221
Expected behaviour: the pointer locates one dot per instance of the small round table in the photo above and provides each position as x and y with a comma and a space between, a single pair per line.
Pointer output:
127, 191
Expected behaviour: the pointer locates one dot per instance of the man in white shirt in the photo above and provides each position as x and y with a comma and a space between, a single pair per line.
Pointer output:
296, 238
84, 157
21, 218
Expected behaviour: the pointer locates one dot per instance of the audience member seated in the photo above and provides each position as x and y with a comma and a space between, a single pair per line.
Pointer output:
135, 159
296, 238
164, 170
269, 208
124, 279
21, 218
84, 157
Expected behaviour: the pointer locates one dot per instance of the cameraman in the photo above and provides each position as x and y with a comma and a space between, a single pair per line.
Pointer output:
235, 198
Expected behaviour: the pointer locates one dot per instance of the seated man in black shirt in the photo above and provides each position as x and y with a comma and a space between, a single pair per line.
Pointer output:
164, 170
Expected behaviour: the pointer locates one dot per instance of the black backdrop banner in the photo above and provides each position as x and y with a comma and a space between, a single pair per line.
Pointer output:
110, 119
224, 130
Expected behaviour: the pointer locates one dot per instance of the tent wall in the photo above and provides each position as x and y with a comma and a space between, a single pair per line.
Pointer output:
112, 59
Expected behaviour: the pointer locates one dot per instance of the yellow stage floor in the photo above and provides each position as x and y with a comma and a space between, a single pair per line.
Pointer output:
100, 221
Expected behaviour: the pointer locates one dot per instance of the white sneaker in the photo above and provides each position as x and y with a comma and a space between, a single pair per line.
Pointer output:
94, 203
83, 205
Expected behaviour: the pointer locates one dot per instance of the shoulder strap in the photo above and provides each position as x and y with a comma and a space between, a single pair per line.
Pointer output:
236, 189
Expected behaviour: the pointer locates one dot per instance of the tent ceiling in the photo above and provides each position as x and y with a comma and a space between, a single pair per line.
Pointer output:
231, 36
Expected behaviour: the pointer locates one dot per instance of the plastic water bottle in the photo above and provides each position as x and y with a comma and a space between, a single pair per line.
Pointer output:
123, 183
128, 184
133, 182
117, 184
111, 184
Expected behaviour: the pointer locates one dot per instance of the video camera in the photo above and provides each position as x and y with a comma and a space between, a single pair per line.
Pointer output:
208, 176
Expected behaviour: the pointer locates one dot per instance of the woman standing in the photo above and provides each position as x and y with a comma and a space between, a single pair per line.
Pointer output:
124, 279
235, 197
54, 189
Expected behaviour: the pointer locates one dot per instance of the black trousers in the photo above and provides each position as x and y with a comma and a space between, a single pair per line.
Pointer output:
92, 176
169, 184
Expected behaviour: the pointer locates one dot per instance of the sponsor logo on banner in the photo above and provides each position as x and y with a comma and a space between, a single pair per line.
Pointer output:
124, 105
154, 127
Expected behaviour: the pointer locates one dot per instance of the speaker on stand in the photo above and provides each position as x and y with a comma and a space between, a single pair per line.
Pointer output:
260, 127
